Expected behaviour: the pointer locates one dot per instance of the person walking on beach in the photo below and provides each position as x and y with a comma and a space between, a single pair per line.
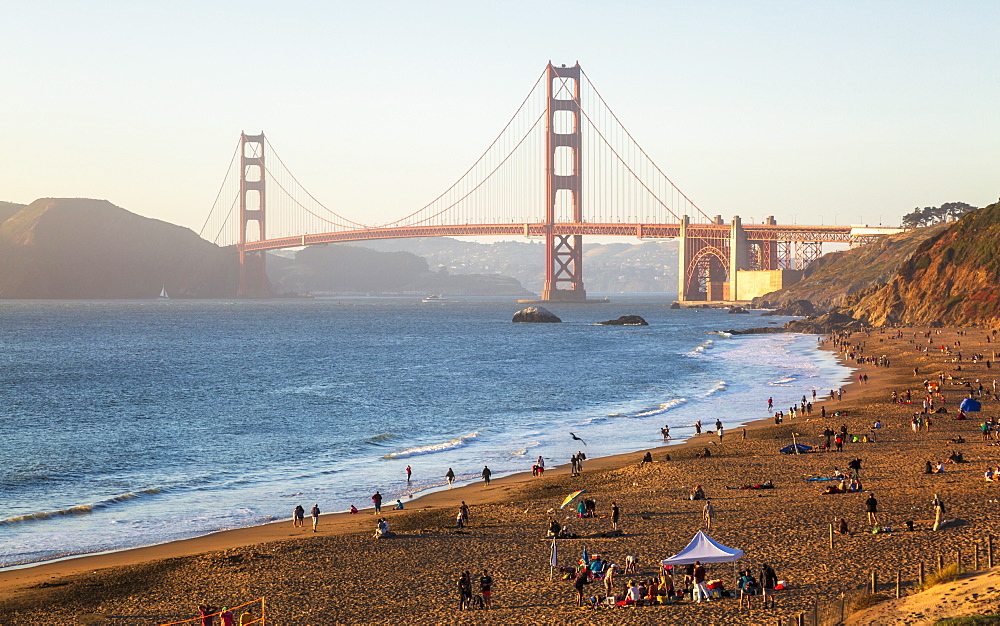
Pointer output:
486, 475
574, 465
615, 514
770, 403
377, 499
465, 512
871, 507
855, 467
486, 589
699, 582
314, 512
582, 578
719, 430
768, 581
707, 514
464, 591
697, 427
298, 516
747, 585
409, 473
450, 475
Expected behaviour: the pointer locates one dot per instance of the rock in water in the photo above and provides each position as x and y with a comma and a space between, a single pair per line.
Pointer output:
675, 305
799, 308
737, 309
535, 315
626, 320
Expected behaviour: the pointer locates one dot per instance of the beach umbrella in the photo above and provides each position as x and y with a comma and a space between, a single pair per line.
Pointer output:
585, 557
570, 498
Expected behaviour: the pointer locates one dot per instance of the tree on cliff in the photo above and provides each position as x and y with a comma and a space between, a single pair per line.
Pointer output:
926, 216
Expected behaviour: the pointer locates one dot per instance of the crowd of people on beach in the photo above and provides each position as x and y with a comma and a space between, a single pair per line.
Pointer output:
669, 585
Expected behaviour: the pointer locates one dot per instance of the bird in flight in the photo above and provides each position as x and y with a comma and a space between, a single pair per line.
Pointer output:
577, 438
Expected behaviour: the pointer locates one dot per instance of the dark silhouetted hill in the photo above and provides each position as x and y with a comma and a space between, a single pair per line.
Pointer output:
341, 268
81, 248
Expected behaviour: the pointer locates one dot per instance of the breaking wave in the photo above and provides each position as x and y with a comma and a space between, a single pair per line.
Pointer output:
663, 408
720, 385
83, 509
524, 451
700, 350
431, 449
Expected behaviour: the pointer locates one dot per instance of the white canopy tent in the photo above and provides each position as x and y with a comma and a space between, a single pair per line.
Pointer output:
703, 548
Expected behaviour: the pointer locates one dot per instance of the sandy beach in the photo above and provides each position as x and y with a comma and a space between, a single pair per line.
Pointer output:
342, 575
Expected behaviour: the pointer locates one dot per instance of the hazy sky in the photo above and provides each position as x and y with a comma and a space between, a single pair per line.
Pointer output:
833, 112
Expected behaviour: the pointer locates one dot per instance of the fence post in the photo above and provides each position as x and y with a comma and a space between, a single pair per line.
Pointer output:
989, 551
975, 558
831, 535
958, 560
920, 575
940, 563
815, 614
874, 582
841, 606
897, 583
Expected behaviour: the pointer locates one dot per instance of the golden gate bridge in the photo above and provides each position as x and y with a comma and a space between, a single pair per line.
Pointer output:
562, 168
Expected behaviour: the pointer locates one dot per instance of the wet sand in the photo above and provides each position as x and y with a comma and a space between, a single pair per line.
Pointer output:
342, 575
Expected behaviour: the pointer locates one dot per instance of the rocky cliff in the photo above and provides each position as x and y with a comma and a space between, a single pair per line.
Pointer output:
81, 248
830, 280
952, 278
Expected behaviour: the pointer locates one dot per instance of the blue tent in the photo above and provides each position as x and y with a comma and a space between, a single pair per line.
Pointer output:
790, 448
968, 405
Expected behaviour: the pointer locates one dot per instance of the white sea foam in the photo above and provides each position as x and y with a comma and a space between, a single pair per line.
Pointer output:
700, 350
663, 408
782, 381
524, 451
431, 449
720, 385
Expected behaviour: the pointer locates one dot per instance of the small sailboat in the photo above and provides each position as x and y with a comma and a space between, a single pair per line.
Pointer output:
163, 293
434, 298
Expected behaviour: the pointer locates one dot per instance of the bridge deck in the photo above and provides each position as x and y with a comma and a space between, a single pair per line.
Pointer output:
640, 231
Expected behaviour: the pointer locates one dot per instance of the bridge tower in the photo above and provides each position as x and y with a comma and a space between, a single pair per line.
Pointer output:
253, 268
563, 188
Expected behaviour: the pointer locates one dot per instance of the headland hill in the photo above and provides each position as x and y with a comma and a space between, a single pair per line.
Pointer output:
929, 313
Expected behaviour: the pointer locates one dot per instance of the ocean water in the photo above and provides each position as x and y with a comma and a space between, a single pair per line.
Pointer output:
134, 423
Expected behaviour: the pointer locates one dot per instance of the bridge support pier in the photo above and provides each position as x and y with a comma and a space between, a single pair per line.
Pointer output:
708, 263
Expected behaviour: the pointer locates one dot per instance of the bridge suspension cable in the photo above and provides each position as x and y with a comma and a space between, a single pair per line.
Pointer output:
505, 186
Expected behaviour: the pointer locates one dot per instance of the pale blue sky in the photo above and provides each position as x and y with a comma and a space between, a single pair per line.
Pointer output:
843, 112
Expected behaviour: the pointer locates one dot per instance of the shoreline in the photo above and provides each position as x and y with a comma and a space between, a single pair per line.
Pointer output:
17, 577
